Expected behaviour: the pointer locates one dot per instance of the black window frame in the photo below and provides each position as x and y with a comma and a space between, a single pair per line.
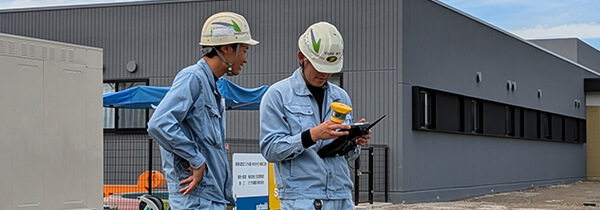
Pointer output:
476, 109
509, 120
519, 122
116, 117
545, 125
423, 104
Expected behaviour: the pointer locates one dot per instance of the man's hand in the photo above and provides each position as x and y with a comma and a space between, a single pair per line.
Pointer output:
193, 180
364, 139
327, 130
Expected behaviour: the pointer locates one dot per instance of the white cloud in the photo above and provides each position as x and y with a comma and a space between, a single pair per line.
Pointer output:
579, 30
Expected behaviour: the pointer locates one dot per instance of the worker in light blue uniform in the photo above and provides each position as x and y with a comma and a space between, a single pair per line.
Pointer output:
189, 123
295, 124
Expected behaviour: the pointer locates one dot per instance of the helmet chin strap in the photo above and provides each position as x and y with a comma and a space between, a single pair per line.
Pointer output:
229, 65
302, 69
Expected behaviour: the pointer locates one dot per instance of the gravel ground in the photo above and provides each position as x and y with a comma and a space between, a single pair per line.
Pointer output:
578, 195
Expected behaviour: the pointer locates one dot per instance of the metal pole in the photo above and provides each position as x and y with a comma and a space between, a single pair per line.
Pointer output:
356, 180
371, 175
150, 166
386, 173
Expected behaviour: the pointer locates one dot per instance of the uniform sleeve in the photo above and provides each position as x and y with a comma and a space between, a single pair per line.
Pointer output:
165, 124
276, 141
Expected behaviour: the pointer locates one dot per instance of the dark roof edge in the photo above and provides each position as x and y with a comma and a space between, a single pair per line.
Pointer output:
97, 5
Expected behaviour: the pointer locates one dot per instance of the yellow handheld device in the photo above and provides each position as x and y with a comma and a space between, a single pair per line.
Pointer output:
339, 112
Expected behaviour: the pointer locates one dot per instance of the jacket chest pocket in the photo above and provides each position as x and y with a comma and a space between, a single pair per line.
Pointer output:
299, 117
213, 128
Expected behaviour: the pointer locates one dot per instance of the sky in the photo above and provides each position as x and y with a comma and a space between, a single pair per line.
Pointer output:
528, 19
538, 19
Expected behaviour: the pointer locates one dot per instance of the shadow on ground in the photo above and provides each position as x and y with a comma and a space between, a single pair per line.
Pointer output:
578, 195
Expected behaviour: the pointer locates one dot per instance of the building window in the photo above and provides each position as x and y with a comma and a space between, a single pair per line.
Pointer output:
557, 127
545, 123
427, 107
493, 118
530, 124
509, 122
447, 108
577, 136
108, 113
336, 79
116, 119
581, 134
440, 111
475, 116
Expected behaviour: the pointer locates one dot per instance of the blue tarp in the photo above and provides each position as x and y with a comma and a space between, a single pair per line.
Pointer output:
240, 98
138, 97
148, 97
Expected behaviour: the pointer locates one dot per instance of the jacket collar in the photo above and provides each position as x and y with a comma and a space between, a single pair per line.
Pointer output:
299, 86
298, 83
205, 69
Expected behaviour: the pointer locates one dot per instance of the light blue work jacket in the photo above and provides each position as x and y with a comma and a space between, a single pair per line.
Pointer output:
286, 110
189, 125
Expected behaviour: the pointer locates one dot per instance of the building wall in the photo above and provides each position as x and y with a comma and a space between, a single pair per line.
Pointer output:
593, 158
443, 50
162, 37
588, 56
566, 47
573, 49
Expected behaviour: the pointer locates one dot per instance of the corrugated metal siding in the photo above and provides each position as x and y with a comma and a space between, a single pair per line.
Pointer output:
443, 50
588, 56
375, 93
163, 38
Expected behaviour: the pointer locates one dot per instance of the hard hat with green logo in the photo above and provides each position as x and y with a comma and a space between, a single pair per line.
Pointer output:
323, 45
226, 28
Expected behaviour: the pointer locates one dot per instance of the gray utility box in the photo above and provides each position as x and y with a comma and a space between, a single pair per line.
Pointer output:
50, 125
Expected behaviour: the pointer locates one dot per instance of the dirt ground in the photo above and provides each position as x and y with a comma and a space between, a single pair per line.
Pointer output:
578, 195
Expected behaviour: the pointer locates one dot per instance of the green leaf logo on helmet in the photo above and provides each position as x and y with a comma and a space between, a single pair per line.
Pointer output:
233, 24
323, 46
226, 28
236, 27
316, 45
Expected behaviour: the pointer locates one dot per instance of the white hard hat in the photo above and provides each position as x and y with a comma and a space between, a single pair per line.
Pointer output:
323, 45
226, 28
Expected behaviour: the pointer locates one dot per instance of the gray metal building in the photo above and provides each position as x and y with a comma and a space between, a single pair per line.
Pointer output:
573, 49
471, 108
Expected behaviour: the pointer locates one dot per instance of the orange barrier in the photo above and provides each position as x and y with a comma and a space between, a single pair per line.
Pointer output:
158, 180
